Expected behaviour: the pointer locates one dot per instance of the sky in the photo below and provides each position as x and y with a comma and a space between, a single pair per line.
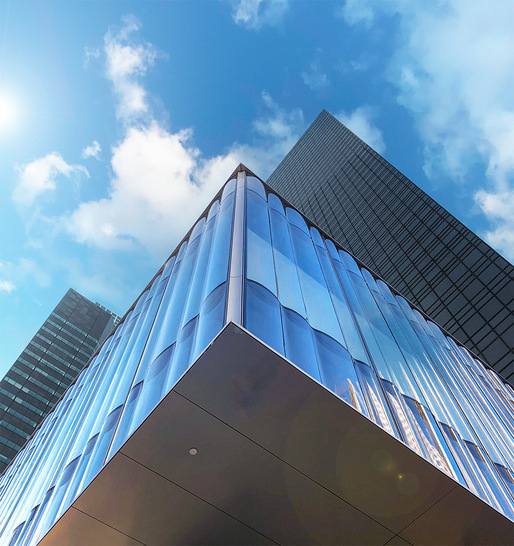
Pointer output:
119, 121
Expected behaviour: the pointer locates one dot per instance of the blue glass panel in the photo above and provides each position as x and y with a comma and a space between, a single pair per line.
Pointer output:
23, 534
316, 237
262, 315
229, 188
259, 256
256, 186
76, 480
332, 250
276, 204
197, 230
441, 401
180, 254
299, 343
496, 495
182, 355
461, 454
507, 477
124, 425
351, 286
153, 389
211, 319
429, 440
215, 207
337, 371
296, 219
377, 407
289, 292
172, 315
140, 303
370, 280
349, 263
320, 311
63, 483
16, 535
33, 530
168, 266
52, 511
196, 293
395, 348
102, 444
220, 254
406, 308
402, 422
384, 290
351, 338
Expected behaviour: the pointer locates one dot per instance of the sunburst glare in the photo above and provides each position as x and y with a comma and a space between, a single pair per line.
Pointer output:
8, 112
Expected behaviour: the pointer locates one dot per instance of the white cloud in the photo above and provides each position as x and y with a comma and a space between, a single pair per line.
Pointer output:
314, 78
454, 69
150, 195
39, 177
161, 182
360, 121
254, 14
93, 150
357, 11
499, 208
13, 274
6, 286
126, 61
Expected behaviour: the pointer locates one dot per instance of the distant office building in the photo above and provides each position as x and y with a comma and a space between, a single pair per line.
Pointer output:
47, 366
402, 234
267, 388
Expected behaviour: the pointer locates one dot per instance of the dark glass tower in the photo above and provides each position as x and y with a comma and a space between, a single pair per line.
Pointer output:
412, 242
47, 366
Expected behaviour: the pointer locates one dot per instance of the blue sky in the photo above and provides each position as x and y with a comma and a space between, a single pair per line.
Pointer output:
120, 120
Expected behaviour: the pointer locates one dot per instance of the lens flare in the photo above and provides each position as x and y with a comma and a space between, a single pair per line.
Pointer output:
8, 112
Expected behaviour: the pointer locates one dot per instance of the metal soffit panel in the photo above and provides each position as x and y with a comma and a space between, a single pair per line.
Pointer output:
279, 459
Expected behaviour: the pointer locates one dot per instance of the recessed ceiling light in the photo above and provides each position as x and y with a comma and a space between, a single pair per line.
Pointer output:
193, 451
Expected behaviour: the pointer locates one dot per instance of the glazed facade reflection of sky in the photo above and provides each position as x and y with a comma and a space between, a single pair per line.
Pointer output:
348, 330
311, 302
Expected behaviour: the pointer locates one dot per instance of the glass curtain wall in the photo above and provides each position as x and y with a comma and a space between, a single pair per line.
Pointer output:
312, 303
308, 300
170, 324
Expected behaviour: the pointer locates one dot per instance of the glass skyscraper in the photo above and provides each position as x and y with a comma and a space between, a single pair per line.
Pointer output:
47, 366
395, 228
268, 388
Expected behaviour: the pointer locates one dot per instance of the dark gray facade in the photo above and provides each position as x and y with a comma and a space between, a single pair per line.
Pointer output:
412, 242
46, 367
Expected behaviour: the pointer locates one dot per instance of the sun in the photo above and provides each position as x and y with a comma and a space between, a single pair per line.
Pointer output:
8, 112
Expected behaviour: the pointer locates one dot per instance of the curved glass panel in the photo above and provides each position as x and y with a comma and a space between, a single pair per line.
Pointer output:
211, 319
299, 343
296, 219
320, 311
259, 255
276, 204
229, 188
338, 372
289, 291
217, 272
255, 185
262, 315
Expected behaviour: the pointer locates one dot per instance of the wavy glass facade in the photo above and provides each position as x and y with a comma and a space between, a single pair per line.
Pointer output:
254, 261
412, 242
